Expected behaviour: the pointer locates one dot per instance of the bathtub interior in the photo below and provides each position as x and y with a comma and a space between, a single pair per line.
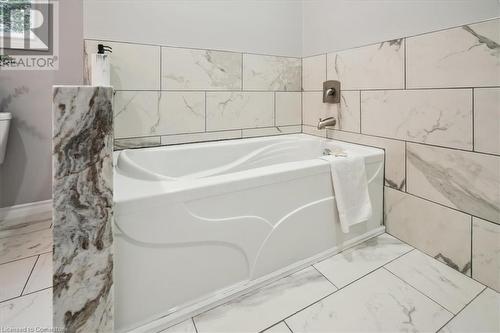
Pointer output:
212, 159
210, 241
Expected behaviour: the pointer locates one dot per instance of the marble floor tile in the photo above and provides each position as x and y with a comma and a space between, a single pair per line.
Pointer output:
26, 245
481, 315
278, 328
438, 281
33, 310
269, 305
353, 263
41, 277
13, 277
379, 302
187, 326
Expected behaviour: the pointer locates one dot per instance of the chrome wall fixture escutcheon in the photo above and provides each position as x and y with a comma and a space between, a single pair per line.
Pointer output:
331, 91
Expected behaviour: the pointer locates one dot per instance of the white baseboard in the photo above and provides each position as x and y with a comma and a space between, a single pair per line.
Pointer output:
27, 212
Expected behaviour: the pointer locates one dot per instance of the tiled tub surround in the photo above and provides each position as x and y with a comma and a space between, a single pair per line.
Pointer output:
433, 103
169, 95
82, 208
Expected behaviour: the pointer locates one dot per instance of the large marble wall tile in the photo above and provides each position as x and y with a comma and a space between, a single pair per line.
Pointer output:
133, 66
467, 56
438, 281
481, 315
191, 69
467, 181
200, 137
441, 117
264, 307
288, 108
83, 208
379, 302
136, 113
235, 110
486, 253
440, 232
181, 112
262, 72
394, 154
487, 120
378, 66
313, 72
347, 112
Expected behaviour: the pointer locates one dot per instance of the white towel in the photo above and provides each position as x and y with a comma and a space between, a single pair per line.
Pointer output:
351, 189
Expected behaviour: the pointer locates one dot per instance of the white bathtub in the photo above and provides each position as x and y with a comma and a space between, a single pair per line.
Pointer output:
197, 224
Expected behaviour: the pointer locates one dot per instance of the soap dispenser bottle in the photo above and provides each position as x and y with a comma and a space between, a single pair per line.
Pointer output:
100, 73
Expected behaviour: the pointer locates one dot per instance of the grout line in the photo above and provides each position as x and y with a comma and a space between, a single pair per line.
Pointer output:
473, 120
242, 60
27, 294
274, 110
31, 256
360, 113
420, 292
471, 243
406, 167
404, 63
317, 270
466, 305
413, 89
29, 276
205, 112
288, 326
161, 68
420, 143
194, 324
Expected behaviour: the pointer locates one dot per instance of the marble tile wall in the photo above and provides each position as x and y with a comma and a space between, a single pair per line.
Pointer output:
432, 102
168, 95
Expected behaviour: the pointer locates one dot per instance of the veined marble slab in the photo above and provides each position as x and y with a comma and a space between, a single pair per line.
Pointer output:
440, 232
288, 108
467, 181
33, 310
269, 305
83, 208
436, 280
467, 56
378, 66
313, 72
349, 265
152, 141
394, 154
181, 112
261, 72
133, 66
190, 69
136, 113
25, 245
379, 302
441, 116
481, 315
347, 112
235, 110
487, 120
41, 277
13, 277
486, 253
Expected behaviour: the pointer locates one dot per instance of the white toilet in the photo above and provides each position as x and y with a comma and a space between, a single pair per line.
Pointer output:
4, 133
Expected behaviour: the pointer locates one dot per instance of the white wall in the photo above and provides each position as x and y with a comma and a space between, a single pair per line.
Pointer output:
265, 26
331, 25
